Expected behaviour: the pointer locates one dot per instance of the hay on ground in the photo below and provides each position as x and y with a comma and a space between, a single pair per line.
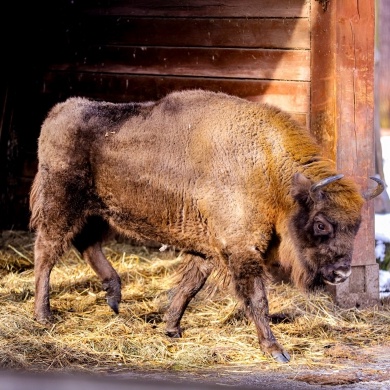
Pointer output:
87, 336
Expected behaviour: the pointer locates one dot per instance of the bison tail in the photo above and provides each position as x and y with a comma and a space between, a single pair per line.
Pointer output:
35, 202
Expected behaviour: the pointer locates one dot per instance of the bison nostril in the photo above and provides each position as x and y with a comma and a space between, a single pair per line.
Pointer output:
336, 276
344, 272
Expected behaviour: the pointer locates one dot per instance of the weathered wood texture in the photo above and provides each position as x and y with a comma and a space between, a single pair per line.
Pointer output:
342, 118
203, 8
197, 62
323, 67
123, 87
383, 35
355, 107
381, 80
140, 50
198, 43
275, 32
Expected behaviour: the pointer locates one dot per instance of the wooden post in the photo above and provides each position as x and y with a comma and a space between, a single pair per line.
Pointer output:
342, 99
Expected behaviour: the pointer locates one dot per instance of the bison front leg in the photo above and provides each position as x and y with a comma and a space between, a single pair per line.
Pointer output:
104, 270
194, 273
249, 286
88, 243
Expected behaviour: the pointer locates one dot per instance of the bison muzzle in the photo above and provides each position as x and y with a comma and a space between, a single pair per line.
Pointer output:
229, 182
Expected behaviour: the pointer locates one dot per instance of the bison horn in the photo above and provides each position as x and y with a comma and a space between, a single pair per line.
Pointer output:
317, 186
376, 191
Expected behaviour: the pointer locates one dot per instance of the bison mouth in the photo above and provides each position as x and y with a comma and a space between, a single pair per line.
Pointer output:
334, 275
329, 276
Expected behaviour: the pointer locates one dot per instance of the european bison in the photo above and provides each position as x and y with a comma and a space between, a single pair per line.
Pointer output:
226, 180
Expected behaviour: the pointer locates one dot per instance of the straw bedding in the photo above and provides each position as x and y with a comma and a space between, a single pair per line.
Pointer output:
87, 336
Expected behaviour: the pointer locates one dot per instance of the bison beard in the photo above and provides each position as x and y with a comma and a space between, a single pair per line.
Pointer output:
234, 184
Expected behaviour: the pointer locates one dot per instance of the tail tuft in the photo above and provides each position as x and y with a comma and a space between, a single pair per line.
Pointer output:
36, 202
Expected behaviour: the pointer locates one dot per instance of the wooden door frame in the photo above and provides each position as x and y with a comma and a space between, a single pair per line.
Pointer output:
342, 119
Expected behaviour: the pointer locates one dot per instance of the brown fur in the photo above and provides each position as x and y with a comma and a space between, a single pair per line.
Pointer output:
224, 179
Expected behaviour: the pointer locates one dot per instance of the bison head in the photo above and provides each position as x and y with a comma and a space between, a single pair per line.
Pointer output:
323, 228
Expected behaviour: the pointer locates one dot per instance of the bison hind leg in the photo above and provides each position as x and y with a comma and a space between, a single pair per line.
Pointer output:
88, 243
194, 272
47, 250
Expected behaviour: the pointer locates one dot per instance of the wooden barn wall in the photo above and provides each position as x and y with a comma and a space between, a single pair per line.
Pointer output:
121, 50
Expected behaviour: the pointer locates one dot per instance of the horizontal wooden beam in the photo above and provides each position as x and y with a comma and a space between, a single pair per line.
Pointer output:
206, 62
289, 96
203, 8
279, 33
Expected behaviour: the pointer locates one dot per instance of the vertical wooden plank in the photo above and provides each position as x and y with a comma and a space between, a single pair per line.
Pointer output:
355, 107
342, 101
323, 66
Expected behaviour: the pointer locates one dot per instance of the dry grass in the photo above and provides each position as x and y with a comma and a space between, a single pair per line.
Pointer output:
88, 336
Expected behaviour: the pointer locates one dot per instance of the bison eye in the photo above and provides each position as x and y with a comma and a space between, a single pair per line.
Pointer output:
322, 227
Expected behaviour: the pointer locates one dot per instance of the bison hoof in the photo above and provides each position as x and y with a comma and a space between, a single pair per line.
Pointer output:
113, 296
113, 302
44, 318
281, 356
174, 334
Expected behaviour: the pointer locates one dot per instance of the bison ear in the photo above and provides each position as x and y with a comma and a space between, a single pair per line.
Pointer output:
300, 188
